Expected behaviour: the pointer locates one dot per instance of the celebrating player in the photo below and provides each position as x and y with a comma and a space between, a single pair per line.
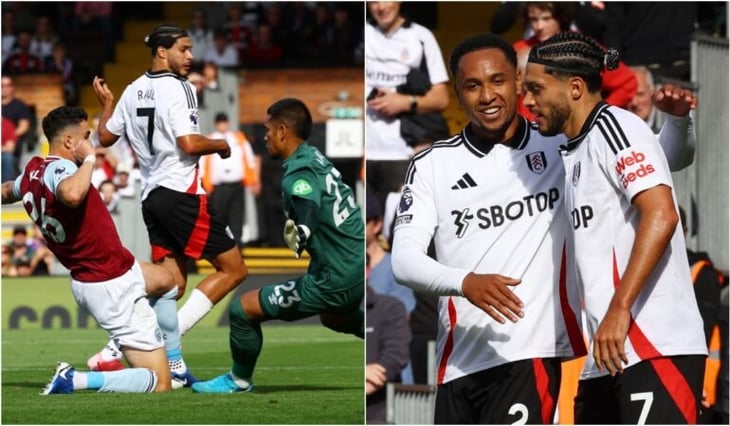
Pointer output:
322, 217
158, 115
491, 199
106, 280
644, 325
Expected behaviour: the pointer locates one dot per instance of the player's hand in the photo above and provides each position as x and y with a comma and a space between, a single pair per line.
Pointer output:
492, 294
390, 104
82, 149
375, 377
103, 93
295, 236
675, 100
610, 338
226, 152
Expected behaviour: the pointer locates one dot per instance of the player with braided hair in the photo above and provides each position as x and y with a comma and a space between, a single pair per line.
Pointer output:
647, 356
158, 115
491, 201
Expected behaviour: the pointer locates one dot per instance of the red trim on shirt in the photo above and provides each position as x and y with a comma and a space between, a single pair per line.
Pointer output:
571, 322
676, 385
449, 347
542, 382
642, 346
201, 230
193, 188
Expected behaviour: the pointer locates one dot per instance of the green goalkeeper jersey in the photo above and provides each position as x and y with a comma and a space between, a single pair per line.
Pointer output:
337, 242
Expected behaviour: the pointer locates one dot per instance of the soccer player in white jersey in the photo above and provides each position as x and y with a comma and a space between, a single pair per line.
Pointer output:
158, 115
491, 200
647, 358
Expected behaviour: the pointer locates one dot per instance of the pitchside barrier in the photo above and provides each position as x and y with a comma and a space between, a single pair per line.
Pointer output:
47, 303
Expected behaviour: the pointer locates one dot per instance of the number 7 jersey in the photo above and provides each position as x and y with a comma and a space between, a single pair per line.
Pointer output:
152, 113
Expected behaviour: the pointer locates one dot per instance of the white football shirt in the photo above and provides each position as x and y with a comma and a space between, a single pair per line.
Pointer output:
491, 209
616, 157
388, 59
152, 113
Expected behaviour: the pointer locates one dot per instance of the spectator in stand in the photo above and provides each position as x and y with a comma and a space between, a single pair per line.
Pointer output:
104, 168
549, 18
379, 266
8, 268
346, 35
642, 103
60, 63
280, 32
23, 251
200, 34
44, 38
223, 54
317, 37
8, 34
109, 195
238, 28
263, 51
395, 45
21, 60
124, 182
388, 337
8, 149
639, 31
19, 113
42, 262
96, 15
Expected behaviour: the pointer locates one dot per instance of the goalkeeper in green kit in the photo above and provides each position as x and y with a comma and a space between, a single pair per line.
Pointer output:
323, 218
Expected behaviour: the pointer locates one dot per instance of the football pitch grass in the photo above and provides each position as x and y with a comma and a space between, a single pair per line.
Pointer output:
306, 374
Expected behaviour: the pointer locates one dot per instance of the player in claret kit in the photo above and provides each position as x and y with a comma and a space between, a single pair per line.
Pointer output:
647, 358
106, 280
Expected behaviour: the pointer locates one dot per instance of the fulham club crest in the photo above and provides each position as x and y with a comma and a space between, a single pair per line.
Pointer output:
537, 162
576, 173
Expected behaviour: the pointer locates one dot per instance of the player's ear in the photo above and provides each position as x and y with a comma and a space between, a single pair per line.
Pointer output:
576, 87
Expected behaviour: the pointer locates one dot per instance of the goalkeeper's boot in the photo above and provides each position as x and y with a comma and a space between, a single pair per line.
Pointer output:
62, 380
221, 384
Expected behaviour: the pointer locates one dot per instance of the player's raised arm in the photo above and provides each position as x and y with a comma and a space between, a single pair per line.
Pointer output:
106, 99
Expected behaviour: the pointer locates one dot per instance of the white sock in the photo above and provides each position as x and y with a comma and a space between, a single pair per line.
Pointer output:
242, 383
80, 381
195, 308
111, 351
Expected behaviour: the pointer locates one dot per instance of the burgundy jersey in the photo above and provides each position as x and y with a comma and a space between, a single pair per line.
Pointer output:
84, 239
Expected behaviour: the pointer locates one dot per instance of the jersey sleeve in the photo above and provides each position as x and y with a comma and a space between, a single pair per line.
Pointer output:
117, 121
678, 140
634, 160
183, 112
56, 172
415, 224
434, 59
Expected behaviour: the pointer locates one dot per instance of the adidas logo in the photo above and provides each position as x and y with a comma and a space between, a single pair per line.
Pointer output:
466, 181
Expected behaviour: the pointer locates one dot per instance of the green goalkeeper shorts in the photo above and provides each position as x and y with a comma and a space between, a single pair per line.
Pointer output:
303, 298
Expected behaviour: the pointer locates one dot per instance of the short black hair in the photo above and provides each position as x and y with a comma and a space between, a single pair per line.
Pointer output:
221, 116
569, 54
294, 113
479, 42
61, 118
164, 35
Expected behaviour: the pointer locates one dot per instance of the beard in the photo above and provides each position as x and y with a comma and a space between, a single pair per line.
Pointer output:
555, 119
